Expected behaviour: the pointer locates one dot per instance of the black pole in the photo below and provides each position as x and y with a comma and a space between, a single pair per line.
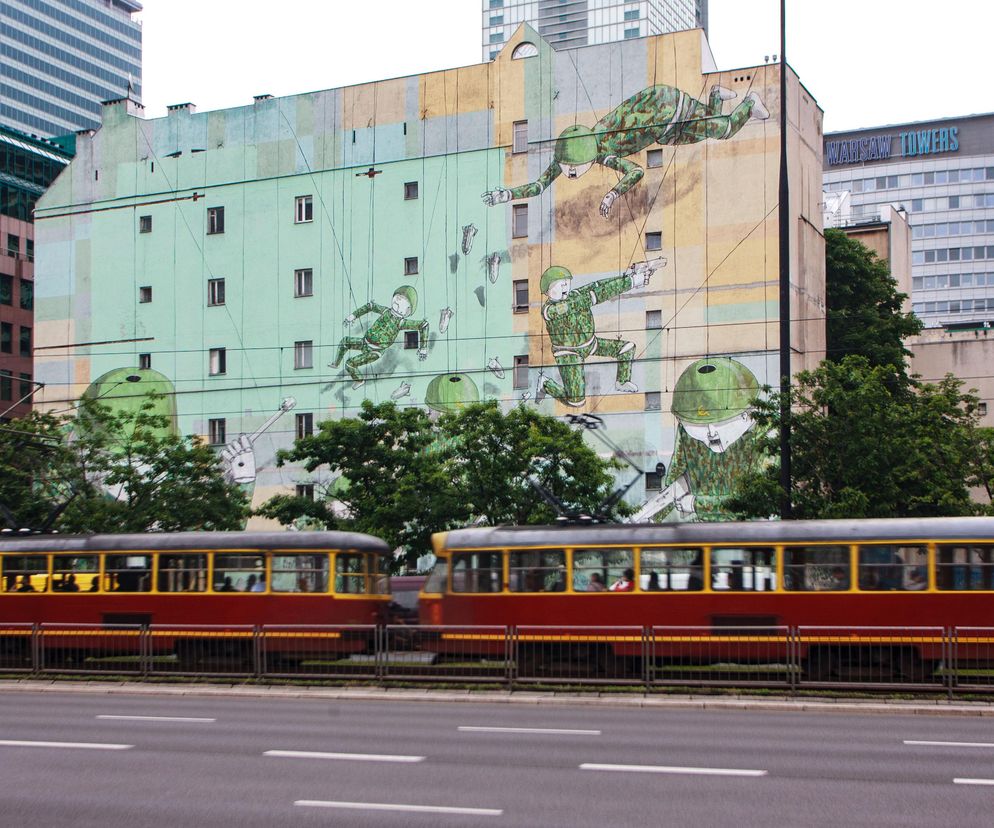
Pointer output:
785, 223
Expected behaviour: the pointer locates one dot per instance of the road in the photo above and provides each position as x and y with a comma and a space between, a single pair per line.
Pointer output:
119, 760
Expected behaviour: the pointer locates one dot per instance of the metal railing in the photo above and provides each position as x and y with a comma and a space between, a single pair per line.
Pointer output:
788, 658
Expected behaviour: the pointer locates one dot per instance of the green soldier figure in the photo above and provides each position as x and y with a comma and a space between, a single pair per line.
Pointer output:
383, 332
657, 115
714, 443
570, 324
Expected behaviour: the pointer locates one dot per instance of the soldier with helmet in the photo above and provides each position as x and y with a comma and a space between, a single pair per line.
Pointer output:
659, 114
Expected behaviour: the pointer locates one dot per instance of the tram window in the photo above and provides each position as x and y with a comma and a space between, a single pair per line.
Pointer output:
183, 573
743, 569
597, 570
816, 568
672, 569
298, 573
75, 573
379, 572
538, 570
238, 571
964, 567
477, 572
438, 577
350, 573
25, 573
127, 573
887, 567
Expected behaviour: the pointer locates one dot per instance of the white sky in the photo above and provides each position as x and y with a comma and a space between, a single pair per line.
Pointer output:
867, 62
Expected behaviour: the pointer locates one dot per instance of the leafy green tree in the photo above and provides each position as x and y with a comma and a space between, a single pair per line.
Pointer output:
864, 445
865, 313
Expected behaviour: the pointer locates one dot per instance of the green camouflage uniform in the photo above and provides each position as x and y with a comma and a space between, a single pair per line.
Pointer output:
570, 324
379, 336
657, 115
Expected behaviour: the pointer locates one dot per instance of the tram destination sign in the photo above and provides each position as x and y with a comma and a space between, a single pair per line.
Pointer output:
882, 147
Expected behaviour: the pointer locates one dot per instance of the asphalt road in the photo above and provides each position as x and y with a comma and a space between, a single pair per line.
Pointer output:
119, 760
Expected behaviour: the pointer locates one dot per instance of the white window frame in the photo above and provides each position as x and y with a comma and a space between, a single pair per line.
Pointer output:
217, 431
654, 240
654, 158
519, 137
304, 424
218, 364
215, 221
303, 209
303, 282
519, 306
215, 292
519, 221
303, 354
520, 371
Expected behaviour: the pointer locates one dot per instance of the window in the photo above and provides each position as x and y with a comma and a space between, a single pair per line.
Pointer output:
653, 481
239, 571
6, 386
215, 220
597, 570
305, 490
632, 14
653, 320
300, 573
303, 282
27, 294
29, 249
496, 20
26, 387
13, 245
215, 292
218, 361
217, 431
145, 294
75, 573
672, 569
654, 241
816, 568
25, 340
884, 567
521, 296
144, 224
145, 361
653, 400
183, 573
477, 572
964, 567
916, 205
6, 289
304, 209
303, 354
520, 137
6, 338
25, 573
519, 221
496, 37
410, 190
537, 571
654, 158
520, 375
953, 202
743, 570
305, 425
128, 573
630, 33
411, 340
411, 266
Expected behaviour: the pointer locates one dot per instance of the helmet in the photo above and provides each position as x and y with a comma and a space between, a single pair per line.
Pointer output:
553, 274
410, 294
712, 390
450, 392
125, 391
576, 145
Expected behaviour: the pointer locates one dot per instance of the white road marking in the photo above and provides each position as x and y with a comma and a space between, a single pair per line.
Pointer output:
965, 781
86, 745
386, 806
554, 731
355, 757
950, 744
157, 718
673, 769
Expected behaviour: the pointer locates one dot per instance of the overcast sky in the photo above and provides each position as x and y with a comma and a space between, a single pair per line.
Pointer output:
866, 63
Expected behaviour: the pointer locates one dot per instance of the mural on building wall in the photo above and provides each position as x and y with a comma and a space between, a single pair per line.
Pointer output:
659, 114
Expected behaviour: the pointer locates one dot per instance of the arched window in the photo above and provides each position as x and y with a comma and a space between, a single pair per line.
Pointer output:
525, 49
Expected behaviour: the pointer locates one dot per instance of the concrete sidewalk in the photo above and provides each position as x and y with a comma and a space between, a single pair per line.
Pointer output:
928, 707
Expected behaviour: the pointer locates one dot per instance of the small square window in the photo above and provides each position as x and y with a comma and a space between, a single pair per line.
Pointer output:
215, 220
953, 202
653, 481
654, 241
410, 190
410, 339
653, 320
218, 361
653, 400
145, 361
145, 294
519, 221
303, 282
411, 266
305, 425
303, 354
521, 371
305, 490
215, 292
520, 140
144, 224
654, 158
217, 431
521, 296
630, 33
304, 209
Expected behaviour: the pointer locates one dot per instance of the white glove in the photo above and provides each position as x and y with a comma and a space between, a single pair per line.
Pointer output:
349, 320
685, 505
607, 202
238, 460
422, 354
498, 195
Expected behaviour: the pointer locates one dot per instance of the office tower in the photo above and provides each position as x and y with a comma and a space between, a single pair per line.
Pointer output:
566, 24
59, 61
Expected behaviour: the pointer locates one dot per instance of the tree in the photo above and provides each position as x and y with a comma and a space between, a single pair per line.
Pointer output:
864, 306
865, 445
403, 476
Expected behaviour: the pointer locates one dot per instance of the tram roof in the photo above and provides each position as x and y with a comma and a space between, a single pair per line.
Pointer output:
177, 541
696, 534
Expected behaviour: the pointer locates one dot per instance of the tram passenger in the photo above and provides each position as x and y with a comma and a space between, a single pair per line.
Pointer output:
226, 585
250, 583
259, 585
626, 583
840, 580
26, 585
596, 583
654, 582
70, 584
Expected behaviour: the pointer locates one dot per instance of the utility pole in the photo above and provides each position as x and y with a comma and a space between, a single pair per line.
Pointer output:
786, 511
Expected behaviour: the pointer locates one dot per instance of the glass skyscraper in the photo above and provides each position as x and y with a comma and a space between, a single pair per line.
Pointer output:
59, 59
566, 24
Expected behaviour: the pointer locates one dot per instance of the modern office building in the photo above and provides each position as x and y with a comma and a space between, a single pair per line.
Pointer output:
481, 233
60, 60
942, 173
566, 24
